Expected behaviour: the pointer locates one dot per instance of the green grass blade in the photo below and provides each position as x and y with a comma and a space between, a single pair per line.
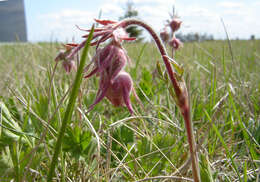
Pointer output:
245, 172
245, 132
15, 160
205, 170
138, 59
224, 144
70, 107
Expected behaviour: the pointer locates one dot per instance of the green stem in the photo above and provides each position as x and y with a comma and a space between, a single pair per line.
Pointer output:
70, 107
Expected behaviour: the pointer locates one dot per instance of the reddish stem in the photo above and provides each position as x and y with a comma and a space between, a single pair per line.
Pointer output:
180, 91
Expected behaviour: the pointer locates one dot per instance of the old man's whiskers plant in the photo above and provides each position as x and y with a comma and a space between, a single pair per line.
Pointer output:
116, 84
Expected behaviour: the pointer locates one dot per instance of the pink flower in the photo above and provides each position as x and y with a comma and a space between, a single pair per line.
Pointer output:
175, 24
175, 43
115, 84
118, 92
164, 35
68, 65
110, 30
61, 55
111, 60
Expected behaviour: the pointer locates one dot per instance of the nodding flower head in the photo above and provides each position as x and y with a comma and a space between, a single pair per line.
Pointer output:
110, 30
175, 43
110, 60
119, 91
164, 35
68, 65
175, 24
115, 84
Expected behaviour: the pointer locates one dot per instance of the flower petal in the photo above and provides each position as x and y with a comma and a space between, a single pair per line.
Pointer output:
105, 22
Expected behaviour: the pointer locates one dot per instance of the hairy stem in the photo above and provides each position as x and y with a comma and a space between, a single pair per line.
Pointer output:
180, 91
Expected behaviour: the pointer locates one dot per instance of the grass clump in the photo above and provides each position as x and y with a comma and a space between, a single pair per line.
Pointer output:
108, 144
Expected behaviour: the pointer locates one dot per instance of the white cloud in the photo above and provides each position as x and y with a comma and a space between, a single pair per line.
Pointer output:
229, 4
143, 1
199, 19
111, 8
198, 11
158, 12
204, 18
70, 16
62, 24
155, 1
257, 3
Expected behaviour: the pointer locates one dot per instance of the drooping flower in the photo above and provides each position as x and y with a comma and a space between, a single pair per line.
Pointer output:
111, 59
175, 43
175, 24
121, 86
68, 65
115, 84
164, 35
110, 30
118, 92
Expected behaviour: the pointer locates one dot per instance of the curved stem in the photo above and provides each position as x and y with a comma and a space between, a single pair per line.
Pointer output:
160, 47
180, 91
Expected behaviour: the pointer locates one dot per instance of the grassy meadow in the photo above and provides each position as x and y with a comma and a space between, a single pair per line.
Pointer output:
107, 144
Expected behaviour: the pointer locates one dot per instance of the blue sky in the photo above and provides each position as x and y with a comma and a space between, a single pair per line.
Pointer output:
51, 20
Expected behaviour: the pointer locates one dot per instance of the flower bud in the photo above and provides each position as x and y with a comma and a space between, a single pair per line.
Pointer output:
175, 43
164, 35
175, 24
68, 65
119, 91
111, 60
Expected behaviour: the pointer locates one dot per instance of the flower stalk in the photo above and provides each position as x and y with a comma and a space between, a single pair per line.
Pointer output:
180, 91
116, 84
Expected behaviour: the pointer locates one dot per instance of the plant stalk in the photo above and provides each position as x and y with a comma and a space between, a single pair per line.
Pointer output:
70, 107
180, 91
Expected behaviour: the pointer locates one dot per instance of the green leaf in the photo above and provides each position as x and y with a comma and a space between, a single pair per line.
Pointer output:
159, 69
85, 139
176, 66
9, 127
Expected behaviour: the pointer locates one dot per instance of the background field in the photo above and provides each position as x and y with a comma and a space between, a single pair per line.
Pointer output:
224, 89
